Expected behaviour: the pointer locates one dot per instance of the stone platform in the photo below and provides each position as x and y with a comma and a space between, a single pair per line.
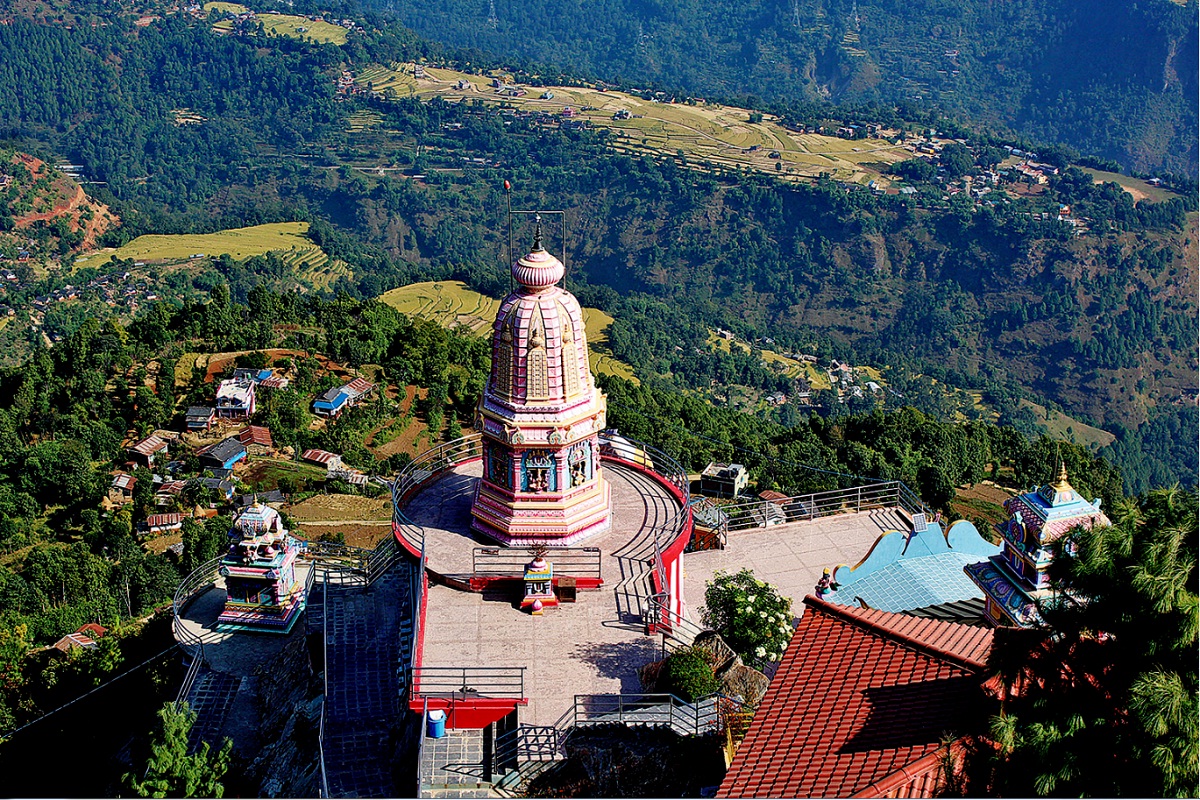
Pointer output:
791, 556
639, 504
591, 646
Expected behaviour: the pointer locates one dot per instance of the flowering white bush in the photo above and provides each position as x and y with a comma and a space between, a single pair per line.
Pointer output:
751, 615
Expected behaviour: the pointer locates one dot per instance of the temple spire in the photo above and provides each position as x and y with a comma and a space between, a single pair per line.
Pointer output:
537, 233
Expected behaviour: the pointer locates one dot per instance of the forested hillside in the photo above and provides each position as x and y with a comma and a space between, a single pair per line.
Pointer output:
1111, 78
941, 288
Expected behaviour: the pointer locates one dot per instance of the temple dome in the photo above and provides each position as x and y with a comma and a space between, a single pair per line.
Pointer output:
539, 347
537, 270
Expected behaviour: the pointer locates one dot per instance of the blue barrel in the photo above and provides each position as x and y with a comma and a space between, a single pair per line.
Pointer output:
435, 727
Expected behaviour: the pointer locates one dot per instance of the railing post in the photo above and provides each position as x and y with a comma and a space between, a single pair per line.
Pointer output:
858, 503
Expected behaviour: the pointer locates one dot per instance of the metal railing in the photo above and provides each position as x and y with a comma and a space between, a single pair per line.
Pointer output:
492, 562
421, 747
706, 715
615, 447
325, 688
755, 514
462, 683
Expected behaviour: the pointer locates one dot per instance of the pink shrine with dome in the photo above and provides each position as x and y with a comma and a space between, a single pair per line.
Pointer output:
540, 415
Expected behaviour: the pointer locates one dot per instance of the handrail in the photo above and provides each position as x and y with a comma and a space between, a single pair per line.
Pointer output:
325, 679
708, 714
421, 745
754, 514
189, 588
489, 562
495, 682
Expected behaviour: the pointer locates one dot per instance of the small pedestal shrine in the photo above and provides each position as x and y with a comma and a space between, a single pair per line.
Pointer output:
540, 416
539, 586
1015, 581
262, 591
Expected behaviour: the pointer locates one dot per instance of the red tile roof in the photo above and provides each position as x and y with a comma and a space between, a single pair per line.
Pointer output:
319, 456
255, 434
93, 629
861, 703
164, 520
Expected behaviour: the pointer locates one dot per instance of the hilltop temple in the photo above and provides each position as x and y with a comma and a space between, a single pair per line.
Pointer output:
540, 415
1015, 580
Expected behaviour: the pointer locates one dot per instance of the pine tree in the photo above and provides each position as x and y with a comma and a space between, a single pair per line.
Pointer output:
1102, 700
170, 771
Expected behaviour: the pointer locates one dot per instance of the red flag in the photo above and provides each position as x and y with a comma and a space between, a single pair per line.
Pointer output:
507, 186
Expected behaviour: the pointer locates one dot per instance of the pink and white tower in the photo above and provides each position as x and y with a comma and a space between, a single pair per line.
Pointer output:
540, 415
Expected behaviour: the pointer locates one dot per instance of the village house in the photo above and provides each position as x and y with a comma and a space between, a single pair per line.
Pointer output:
322, 458
333, 402
223, 488
256, 439
235, 399
168, 492
724, 480
199, 418
274, 496
120, 491
85, 637
158, 524
222, 455
145, 451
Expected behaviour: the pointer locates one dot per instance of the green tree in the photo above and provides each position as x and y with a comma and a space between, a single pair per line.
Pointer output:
170, 771
1110, 676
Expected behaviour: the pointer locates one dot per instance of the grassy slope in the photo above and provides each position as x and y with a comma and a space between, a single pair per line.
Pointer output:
452, 304
286, 25
288, 237
721, 135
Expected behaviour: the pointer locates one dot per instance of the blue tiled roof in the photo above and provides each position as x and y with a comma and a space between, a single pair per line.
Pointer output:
902, 572
913, 583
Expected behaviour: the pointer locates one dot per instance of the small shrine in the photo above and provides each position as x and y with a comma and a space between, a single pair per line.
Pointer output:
541, 415
262, 592
1014, 581
539, 586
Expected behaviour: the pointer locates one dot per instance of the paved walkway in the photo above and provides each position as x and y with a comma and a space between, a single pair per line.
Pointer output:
790, 556
452, 767
592, 646
362, 708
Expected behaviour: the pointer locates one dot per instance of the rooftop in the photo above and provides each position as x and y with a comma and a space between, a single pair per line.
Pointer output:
861, 702
223, 450
908, 570
149, 446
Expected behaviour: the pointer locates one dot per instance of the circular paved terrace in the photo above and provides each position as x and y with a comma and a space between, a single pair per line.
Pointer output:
592, 646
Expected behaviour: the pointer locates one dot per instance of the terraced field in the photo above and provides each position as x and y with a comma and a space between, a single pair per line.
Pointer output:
237, 242
453, 305
396, 79
708, 133
313, 266
284, 24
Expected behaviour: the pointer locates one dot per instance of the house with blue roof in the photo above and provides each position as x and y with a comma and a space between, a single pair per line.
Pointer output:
222, 455
919, 571
331, 402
